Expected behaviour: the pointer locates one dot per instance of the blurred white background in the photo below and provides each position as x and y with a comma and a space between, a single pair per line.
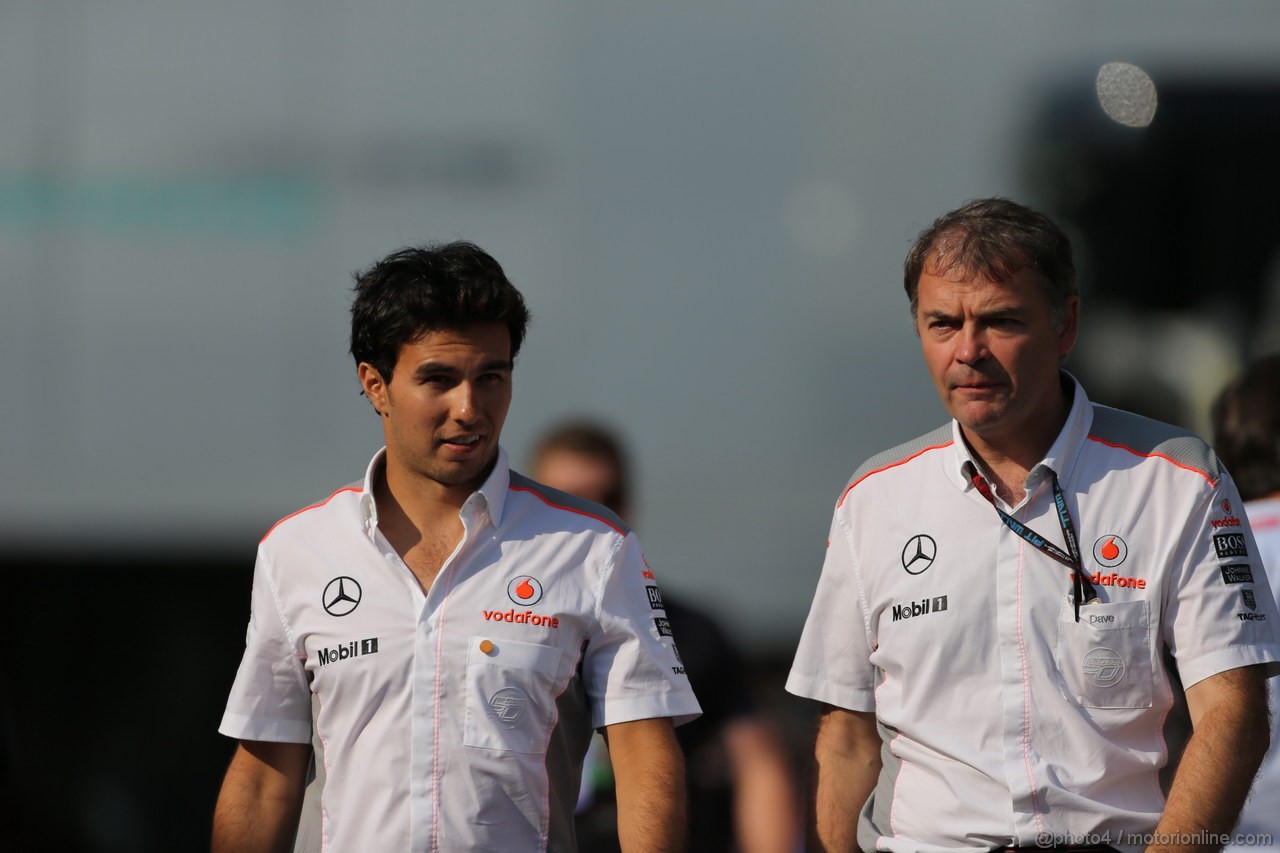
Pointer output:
705, 203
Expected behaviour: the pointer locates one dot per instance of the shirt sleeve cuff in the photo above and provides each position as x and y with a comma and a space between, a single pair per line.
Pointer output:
681, 708
270, 729
842, 696
1232, 658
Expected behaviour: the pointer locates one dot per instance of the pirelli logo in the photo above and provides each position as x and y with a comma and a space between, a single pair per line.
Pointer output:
1236, 573
655, 598
1229, 545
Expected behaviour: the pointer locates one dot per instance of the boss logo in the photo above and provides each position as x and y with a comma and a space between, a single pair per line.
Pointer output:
1230, 545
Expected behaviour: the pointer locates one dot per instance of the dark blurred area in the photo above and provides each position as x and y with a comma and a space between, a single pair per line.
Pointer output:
116, 674
1177, 237
116, 671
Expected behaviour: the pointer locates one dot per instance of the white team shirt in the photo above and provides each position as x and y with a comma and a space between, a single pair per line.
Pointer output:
1260, 815
455, 719
1003, 718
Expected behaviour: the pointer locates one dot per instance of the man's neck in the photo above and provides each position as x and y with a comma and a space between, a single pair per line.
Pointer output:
412, 507
1008, 478
1007, 457
420, 519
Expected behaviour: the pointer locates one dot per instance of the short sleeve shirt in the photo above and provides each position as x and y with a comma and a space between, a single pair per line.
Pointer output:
454, 719
1260, 816
1003, 717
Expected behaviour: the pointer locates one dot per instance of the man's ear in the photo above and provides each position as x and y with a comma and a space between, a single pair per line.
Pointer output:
374, 387
1070, 328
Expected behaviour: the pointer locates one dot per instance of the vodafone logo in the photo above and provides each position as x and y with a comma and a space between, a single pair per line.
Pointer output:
525, 590
1110, 550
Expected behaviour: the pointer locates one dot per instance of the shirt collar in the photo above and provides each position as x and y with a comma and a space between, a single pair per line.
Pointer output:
493, 491
1065, 450
1062, 455
492, 494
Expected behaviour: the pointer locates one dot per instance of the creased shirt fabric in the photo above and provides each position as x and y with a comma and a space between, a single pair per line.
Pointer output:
455, 719
1004, 720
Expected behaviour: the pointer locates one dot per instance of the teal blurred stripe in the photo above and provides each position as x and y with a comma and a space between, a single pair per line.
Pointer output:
249, 208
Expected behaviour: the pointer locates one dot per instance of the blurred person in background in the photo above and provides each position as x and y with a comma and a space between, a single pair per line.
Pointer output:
1246, 436
461, 627
1021, 612
742, 793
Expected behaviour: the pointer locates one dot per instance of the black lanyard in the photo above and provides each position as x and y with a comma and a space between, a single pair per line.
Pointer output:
1082, 591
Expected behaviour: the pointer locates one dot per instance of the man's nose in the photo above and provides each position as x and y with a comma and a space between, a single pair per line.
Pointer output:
971, 344
463, 404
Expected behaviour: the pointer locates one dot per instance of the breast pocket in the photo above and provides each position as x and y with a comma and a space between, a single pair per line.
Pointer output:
510, 694
1105, 658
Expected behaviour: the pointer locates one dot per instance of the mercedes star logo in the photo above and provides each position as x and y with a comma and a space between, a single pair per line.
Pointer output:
919, 553
341, 596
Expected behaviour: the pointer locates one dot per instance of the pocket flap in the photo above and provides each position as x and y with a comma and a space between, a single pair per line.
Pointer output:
1111, 616
513, 654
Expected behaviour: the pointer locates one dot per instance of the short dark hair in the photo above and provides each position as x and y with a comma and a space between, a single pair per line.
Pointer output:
1246, 428
588, 438
422, 289
994, 238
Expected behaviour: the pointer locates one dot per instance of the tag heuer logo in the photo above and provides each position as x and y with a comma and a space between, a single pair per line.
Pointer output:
1249, 601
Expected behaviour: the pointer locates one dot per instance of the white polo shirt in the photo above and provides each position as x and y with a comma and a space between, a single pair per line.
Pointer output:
1004, 719
1260, 815
458, 719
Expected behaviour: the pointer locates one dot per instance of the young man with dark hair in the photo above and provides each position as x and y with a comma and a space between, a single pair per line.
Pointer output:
461, 628
1021, 613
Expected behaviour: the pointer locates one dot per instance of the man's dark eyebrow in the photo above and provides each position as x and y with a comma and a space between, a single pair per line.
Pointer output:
987, 314
429, 367
1002, 311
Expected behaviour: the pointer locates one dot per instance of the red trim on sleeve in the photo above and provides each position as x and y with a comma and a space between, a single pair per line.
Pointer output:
543, 498
840, 503
306, 508
1168, 459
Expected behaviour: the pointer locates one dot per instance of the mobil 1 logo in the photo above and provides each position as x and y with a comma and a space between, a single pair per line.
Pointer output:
352, 649
923, 607
1229, 545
